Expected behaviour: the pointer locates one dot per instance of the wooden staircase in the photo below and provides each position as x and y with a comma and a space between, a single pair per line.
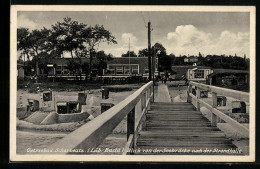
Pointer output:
178, 129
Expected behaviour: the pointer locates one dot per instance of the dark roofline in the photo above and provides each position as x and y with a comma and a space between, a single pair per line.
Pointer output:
219, 70
226, 73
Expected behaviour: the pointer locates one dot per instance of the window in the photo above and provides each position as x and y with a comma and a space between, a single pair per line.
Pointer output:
66, 71
199, 74
111, 69
127, 69
119, 70
58, 70
135, 69
146, 71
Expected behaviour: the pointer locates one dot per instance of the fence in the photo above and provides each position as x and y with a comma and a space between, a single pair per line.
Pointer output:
94, 132
215, 113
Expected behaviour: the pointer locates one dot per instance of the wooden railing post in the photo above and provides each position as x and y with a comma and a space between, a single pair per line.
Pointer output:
188, 94
198, 97
131, 123
151, 91
143, 100
214, 105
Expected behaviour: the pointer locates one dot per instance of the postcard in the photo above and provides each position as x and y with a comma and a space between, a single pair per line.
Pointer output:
132, 83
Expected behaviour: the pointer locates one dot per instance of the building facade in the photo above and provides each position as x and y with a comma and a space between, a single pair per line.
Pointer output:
117, 66
234, 79
194, 73
122, 66
191, 59
198, 74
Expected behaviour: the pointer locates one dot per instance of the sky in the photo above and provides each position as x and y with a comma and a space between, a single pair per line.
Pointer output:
181, 33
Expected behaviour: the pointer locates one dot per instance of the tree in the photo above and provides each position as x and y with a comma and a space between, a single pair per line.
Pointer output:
23, 41
200, 55
33, 44
143, 53
132, 54
102, 59
157, 47
39, 47
163, 60
74, 67
93, 36
66, 36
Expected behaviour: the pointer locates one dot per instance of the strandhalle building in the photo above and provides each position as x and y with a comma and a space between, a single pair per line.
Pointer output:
116, 67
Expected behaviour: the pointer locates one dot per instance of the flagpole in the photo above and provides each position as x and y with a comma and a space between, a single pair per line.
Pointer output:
129, 58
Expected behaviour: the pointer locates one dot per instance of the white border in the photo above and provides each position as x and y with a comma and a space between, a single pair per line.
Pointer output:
146, 158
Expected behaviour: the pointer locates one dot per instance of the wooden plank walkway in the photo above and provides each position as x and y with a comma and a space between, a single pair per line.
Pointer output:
178, 129
162, 95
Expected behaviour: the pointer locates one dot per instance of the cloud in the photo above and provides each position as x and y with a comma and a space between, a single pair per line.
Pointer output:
125, 37
186, 35
123, 44
187, 39
23, 21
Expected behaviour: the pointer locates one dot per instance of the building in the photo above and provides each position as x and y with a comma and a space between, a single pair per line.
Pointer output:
116, 67
191, 59
198, 73
195, 73
124, 66
230, 78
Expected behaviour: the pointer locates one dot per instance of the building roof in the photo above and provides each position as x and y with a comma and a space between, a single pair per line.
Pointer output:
230, 71
226, 74
115, 60
126, 60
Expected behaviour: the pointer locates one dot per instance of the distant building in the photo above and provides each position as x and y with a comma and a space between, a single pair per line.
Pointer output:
123, 66
198, 73
186, 60
191, 59
118, 66
194, 73
231, 78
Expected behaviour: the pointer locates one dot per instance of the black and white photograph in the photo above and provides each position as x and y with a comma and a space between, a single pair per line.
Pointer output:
132, 83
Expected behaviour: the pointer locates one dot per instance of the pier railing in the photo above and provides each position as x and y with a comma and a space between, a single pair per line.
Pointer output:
93, 133
215, 113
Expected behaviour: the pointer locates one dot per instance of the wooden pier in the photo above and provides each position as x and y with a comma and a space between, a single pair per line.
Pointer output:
161, 127
178, 129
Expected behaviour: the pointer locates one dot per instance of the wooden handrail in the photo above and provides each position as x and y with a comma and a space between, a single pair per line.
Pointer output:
223, 91
214, 111
91, 134
244, 130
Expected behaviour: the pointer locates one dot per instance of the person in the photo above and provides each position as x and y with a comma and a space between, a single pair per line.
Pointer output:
165, 79
162, 78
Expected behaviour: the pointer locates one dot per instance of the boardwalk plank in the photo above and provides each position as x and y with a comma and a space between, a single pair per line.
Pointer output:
179, 126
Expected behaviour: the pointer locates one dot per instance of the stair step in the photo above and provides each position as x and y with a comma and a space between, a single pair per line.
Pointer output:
180, 134
178, 126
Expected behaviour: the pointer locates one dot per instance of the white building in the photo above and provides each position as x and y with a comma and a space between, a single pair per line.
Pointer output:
198, 73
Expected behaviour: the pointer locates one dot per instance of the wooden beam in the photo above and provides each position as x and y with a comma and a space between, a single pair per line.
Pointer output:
233, 123
236, 125
198, 97
243, 96
91, 134
130, 123
128, 145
